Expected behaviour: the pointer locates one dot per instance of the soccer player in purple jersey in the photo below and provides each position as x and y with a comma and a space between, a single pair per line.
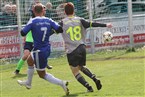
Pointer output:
41, 30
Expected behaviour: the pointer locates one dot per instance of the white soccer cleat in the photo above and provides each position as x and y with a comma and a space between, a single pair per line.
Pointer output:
23, 83
65, 88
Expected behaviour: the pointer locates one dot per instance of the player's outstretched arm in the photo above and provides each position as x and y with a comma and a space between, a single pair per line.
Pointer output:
88, 24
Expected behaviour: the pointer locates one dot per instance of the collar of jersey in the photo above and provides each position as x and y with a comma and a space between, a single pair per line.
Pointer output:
70, 16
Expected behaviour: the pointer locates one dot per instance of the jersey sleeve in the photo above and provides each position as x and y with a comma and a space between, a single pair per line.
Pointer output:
56, 27
54, 24
87, 24
27, 28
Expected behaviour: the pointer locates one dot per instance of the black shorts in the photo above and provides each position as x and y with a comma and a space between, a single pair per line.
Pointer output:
28, 45
78, 56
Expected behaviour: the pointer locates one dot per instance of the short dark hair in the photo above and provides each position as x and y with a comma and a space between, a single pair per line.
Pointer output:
38, 8
69, 8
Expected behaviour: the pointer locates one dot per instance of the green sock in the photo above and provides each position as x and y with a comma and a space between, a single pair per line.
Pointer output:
20, 64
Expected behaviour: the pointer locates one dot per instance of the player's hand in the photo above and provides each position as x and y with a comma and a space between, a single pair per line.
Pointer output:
109, 25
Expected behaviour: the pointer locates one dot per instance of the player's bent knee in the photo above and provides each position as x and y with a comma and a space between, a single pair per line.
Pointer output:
41, 74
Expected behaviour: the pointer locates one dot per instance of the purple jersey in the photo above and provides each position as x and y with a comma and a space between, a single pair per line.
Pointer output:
41, 30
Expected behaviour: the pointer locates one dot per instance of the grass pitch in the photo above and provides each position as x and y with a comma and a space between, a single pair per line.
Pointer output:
121, 73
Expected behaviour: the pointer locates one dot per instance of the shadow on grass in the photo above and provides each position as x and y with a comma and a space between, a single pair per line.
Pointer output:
19, 76
84, 94
74, 95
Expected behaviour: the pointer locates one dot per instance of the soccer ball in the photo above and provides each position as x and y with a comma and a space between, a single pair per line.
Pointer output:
107, 36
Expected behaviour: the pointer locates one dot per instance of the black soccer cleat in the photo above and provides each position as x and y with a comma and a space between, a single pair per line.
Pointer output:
16, 72
98, 84
90, 89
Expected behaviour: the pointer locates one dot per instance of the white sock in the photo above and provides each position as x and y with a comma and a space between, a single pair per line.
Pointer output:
52, 79
30, 73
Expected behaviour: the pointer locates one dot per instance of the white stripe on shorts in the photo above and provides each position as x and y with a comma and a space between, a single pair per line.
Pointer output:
37, 60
